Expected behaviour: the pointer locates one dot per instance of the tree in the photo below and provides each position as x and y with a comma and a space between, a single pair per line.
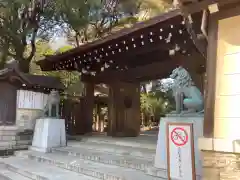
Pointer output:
95, 19
87, 20
74, 15
21, 22
152, 107
157, 101
71, 80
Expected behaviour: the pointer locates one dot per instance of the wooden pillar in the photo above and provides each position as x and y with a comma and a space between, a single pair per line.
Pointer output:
89, 106
124, 109
210, 83
79, 116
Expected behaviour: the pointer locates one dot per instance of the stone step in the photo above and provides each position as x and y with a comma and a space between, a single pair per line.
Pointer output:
39, 171
118, 160
89, 168
6, 174
137, 142
106, 158
116, 149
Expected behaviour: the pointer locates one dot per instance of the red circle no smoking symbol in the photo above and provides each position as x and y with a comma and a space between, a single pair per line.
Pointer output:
179, 136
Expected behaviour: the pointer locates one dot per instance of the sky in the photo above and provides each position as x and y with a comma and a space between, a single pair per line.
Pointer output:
58, 42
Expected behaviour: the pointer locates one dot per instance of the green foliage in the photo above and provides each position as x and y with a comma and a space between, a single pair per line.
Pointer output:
83, 21
155, 103
71, 80
152, 105
17, 32
92, 19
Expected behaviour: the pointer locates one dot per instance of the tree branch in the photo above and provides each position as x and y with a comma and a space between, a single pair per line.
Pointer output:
33, 46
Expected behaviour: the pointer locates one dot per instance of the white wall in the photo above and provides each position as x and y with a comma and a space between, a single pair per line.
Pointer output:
31, 100
29, 107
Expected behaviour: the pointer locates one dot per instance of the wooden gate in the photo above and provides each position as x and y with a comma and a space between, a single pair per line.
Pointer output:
71, 112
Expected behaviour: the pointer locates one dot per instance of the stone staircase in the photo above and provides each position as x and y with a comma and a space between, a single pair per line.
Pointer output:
84, 160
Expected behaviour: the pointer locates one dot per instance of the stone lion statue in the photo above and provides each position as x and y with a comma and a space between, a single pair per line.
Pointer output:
187, 96
53, 101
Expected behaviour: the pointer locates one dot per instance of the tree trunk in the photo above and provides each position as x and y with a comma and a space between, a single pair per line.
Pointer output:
24, 66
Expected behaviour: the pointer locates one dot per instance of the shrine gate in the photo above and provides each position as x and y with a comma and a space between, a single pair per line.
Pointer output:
148, 50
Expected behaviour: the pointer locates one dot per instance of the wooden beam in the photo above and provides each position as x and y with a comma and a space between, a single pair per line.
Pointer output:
199, 6
157, 70
210, 86
151, 71
200, 45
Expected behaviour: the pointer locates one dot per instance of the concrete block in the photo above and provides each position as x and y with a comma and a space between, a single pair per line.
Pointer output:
49, 133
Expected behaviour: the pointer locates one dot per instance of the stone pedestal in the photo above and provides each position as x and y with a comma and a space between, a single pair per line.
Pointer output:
161, 151
49, 133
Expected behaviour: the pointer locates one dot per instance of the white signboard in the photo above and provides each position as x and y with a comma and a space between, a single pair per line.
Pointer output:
181, 164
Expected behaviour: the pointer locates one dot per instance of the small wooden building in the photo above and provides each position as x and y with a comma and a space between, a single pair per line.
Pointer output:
22, 99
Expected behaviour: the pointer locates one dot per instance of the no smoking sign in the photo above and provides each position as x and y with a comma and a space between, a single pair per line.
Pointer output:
179, 136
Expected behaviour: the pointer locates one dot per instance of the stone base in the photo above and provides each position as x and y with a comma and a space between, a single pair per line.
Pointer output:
49, 133
8, 137
220, 165
220, 158
161, 151
26, 118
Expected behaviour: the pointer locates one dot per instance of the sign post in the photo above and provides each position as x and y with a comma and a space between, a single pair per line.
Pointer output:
180, 151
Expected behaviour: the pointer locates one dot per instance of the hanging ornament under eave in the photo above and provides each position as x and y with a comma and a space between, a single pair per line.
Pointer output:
184, 51
171, 52
106, 65
93, 73
168, 39
84, 71
177, 47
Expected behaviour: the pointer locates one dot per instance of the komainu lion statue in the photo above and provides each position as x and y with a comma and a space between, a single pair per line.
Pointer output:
53, 101
187, 96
